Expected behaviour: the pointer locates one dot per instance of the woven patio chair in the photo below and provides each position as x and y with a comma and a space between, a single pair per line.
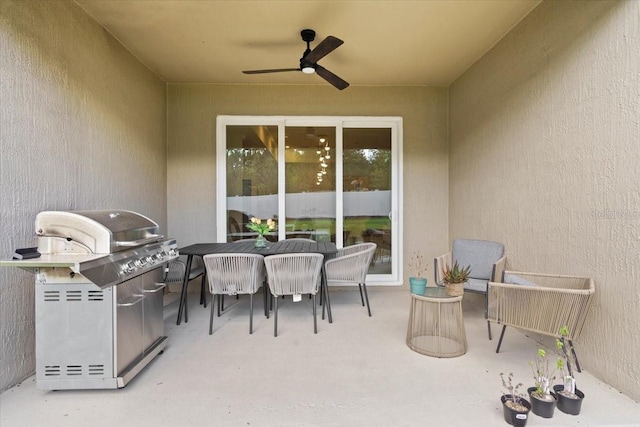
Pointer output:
294, 274
541, 303
487, 262
350, 266
174, 275
234, 274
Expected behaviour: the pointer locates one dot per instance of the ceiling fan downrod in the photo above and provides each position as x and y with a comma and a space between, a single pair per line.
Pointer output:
305, 66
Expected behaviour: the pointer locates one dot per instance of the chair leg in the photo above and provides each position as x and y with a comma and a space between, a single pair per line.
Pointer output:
275, 318
213, 305
504, 327
220, 302
203, 292
361, 297
327, 298
186, 305
486, 313
366, 296
250, 314
265, 291
315, 321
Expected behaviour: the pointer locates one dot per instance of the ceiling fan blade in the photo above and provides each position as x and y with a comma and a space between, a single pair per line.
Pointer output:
326, 46
331, 78
275, 70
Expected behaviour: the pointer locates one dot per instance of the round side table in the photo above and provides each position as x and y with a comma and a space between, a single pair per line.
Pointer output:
436, 327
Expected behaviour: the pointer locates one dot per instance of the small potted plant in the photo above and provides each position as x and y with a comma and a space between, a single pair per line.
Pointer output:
515, 406
418, 265
454, 278
543, 400
261, 228
569, 397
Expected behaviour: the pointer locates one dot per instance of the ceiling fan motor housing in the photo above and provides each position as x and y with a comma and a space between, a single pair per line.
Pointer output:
308, 35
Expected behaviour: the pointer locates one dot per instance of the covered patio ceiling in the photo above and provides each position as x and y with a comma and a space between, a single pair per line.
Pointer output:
385, 42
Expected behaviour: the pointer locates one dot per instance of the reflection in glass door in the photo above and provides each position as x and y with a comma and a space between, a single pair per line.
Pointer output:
367, 189
251, 178
310, 198
321, 178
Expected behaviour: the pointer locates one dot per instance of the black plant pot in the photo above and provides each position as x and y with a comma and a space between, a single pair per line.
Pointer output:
540, 407
515, 418
568, 404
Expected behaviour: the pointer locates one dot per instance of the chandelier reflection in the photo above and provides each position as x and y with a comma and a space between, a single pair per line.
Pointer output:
323, 151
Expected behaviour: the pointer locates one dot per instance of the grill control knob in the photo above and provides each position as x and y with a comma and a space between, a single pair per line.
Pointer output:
129, 267
159, 256
149, 259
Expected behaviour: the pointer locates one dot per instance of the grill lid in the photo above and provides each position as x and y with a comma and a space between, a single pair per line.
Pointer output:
101, 231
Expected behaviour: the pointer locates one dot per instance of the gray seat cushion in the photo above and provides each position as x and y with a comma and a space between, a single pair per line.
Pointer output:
518, 280
479, 254
477, 285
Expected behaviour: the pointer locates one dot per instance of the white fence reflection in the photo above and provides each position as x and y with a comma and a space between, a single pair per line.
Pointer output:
315, 205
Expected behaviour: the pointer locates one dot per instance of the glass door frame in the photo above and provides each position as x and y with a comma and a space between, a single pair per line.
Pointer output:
339, 123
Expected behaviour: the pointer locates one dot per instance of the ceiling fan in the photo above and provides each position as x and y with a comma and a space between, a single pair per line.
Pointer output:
309, 61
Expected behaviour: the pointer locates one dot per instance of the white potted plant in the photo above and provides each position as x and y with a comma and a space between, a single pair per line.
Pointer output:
569, 397
543, 400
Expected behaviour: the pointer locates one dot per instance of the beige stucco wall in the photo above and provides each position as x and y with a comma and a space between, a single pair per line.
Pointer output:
544, 138
192, 112
544, 154
82, 126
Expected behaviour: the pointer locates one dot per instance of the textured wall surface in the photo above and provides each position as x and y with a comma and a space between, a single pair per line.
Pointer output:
544, 135
192, 111
544, 154
82, 126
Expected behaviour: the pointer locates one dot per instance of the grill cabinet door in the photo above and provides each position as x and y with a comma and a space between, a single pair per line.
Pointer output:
153, 325
129, 322
74, 336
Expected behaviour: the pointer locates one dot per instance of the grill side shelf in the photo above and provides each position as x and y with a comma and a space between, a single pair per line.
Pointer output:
71, 261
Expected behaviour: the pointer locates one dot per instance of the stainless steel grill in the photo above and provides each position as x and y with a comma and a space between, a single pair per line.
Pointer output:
99, 308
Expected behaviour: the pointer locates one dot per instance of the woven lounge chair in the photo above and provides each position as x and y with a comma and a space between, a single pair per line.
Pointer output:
541, 303
487, 261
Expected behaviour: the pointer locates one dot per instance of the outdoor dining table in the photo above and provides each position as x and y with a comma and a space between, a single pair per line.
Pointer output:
282, 247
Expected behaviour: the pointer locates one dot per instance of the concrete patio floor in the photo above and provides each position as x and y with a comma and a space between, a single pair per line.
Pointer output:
357, 371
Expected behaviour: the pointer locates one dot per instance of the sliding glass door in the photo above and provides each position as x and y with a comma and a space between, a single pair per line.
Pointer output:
367, 161
251, 178
310, 182
326, 179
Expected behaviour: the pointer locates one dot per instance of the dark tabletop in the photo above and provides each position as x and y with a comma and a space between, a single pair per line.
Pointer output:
281, 247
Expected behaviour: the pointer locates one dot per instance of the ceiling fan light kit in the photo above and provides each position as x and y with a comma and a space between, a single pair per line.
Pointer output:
309, 61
